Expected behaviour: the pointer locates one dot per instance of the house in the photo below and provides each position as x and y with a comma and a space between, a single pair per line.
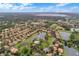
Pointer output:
74, 29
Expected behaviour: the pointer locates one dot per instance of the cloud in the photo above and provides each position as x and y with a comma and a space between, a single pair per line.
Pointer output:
61, 4
14, 7
7, 6
74, 9
23, 7
29, 7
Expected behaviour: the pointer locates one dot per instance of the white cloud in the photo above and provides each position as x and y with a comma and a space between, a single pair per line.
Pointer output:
5, 6
39, 1
28, 7
75, 7
61, 4
10, 7
25, 4
24, 7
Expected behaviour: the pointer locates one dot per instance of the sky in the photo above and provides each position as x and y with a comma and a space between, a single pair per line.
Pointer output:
40, 7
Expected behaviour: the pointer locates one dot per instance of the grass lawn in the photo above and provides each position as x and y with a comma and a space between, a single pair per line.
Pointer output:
76, 35
65, 53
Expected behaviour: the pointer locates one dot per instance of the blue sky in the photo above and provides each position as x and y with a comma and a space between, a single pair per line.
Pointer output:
40, 7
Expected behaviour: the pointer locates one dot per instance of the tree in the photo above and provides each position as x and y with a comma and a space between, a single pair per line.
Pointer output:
23, 51
72, 36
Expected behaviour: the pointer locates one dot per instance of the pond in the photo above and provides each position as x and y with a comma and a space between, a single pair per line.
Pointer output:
41, 35
71, 51
64, 35
37, 36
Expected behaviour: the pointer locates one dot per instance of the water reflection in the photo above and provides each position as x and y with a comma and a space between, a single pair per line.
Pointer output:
40, 35
65, 35
71, 51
